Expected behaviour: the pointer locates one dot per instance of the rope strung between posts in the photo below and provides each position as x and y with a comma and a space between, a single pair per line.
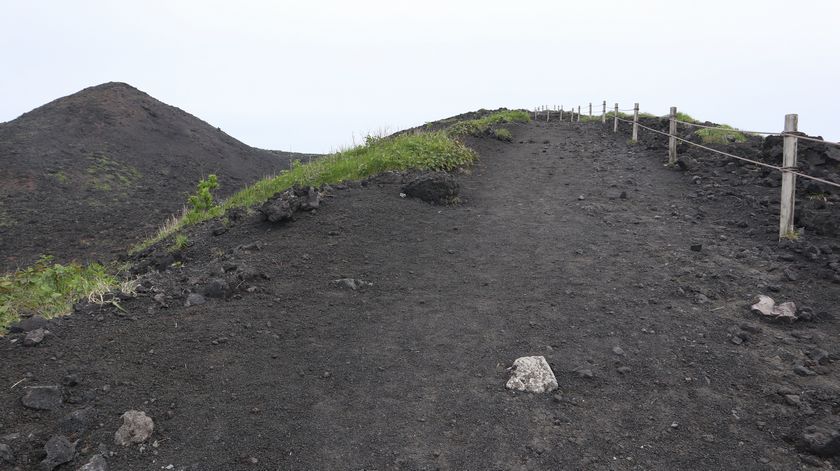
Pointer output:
810, 139
761, 164
728, 129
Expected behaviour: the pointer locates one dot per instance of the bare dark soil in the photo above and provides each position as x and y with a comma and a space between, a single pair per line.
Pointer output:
89, 174
567, 243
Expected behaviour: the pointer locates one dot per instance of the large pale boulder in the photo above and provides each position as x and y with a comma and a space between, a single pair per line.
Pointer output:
532, 374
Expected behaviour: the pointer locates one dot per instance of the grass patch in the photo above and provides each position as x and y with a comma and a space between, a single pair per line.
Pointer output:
721, 135
106, 174
51, 289
180, 243
423, 151
611, 115
685, 118
503, 134
792, 235
481, 126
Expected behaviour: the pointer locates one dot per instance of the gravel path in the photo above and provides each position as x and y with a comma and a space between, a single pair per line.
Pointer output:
570, 243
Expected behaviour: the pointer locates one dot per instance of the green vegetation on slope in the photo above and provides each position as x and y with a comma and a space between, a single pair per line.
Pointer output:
503, 134
685, 118
422, 151
481, 126
51, 289
721, 135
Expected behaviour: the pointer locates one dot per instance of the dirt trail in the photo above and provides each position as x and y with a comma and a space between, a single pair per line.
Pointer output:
544, 257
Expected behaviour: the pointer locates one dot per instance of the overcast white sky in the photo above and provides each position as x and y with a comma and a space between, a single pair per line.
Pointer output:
309, 75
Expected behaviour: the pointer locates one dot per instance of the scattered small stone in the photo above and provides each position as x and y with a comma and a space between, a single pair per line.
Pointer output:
820, 441
217, 288
59, 451
137, 427
736, 340
618, 351
750, 328
352, 283
585, 373
623, 195
674, 425
310, 199
696, 247
532, 374
793, 400
581, 198
35, 337
96, 463
195, 299
708, 438
790, 275
803, 371
70, 380
6, 454
77, 421
701, 298
42, 397
623, 369
218, 229
29, 324
819, 356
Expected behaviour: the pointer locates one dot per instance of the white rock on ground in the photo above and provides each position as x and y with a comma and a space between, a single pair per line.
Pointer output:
96, 463
532, 374
137, 427
767, 306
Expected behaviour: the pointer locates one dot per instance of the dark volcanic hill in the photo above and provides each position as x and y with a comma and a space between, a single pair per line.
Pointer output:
91, 173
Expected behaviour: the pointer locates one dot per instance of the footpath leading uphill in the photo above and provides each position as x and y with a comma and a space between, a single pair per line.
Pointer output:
634, 281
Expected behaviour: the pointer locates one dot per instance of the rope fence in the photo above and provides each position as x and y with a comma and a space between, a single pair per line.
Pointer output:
788, 169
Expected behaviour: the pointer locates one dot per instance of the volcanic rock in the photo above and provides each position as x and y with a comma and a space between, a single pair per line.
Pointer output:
532, 374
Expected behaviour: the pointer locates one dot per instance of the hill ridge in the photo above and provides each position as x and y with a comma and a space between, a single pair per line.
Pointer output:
90, 173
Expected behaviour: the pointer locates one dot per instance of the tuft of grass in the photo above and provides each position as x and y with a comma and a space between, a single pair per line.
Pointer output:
180, 243
723, 134
792, 235
481, 126
51, 289
685, 117
503, 134
423, 151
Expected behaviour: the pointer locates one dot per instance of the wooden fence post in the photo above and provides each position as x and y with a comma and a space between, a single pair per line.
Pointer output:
604, 113
615, 119
786, 229
672, 138
590, 110
636, 122
578, 113
561, 113
547, 115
